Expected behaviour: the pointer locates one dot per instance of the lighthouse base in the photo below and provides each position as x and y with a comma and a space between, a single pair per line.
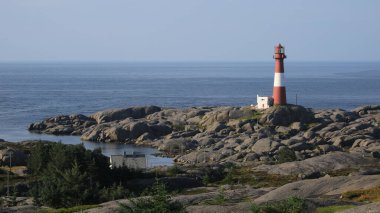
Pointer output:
279, 96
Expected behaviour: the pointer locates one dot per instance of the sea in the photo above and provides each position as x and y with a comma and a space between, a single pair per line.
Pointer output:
31, 92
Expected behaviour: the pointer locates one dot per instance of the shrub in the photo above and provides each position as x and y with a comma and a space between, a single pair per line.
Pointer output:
159, 201
286, 155
219, 199
174, 170
290, 205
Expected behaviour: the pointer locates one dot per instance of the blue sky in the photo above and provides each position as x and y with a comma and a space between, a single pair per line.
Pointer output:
191, 30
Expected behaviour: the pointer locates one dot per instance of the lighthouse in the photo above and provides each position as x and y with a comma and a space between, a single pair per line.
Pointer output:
279, 92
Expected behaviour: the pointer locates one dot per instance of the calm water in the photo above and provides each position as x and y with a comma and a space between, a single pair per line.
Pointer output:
32, 92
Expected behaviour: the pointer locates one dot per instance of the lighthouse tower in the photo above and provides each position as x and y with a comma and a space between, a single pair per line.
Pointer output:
279, 93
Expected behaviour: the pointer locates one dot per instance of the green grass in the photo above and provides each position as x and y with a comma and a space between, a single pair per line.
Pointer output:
69, 210
332, 209
254, 116
342, 172
220, 199
364, 195
245, 175
292, 204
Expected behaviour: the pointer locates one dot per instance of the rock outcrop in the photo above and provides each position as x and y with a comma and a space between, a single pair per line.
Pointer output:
63, 125
325, 186
222, 134
121, 114
321, 164
285, 115
320, 143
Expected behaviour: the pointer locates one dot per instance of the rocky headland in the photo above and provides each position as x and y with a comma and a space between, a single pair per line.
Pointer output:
277, 153
223, 134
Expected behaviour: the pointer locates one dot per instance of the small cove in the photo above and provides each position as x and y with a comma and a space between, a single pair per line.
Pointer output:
108, 149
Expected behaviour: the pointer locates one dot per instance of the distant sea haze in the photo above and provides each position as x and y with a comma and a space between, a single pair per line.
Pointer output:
34, 91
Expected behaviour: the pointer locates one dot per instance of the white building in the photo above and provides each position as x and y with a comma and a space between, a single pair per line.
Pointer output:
133, 161
264, 102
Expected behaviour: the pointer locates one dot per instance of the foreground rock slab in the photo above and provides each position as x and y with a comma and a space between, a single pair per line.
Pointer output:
192, 200
237, 208
326, 186
324, 163
367, 208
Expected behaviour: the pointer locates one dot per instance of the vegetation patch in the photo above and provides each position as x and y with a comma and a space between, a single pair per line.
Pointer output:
342, 172
292, 204
332, 209
220, 198
68, 210
158, 200
286, 155
365, 195
62, 176
245, 175
254, 116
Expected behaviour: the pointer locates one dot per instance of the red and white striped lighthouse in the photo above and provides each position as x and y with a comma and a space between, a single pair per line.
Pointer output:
279, 92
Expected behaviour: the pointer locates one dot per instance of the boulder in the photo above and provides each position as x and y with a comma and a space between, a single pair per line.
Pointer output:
179, 145
63, 125
116, 134
365, 142
216, 127
251, 157
198, 156
283, 129
298, 126
345, 140
340, 115
265, 145
293, 140
206, 141
182, 134
160, 129
137, 129
247, 128
300, 146
121, 114
92, 134
363, 110
325, 148
285, 115
265, 132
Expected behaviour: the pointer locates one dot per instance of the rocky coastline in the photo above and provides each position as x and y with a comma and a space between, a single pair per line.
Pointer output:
228, 134
241, 153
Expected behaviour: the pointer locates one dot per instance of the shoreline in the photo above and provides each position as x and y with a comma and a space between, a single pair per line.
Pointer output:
214, 134
239, 152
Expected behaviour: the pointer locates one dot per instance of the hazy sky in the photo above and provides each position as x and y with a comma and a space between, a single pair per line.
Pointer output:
191, 30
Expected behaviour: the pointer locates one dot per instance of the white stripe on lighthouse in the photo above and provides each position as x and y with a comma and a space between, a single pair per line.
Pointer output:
279, 80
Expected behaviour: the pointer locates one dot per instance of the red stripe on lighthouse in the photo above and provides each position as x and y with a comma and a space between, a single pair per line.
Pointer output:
279, 91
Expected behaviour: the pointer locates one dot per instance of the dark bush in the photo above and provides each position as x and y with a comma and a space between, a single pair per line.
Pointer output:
286, 155
290, 205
